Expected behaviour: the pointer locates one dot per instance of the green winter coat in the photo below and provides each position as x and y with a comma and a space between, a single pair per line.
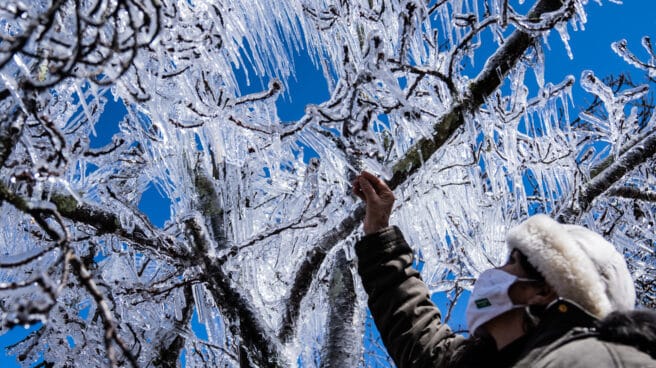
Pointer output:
411, 329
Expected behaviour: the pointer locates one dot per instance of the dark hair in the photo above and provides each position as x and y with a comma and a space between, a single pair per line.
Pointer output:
532, 312
531, 271
636, 328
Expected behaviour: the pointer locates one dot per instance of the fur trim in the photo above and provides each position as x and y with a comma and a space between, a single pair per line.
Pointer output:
580, 264
635, 328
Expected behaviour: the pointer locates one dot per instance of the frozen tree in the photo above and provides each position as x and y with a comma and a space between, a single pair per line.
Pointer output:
257, 249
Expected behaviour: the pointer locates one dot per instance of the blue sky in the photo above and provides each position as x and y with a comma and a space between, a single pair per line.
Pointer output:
591, 48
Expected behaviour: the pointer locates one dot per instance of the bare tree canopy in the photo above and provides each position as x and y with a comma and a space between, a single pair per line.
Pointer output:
257, 248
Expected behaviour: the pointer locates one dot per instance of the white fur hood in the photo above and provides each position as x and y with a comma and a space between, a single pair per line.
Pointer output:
580, 264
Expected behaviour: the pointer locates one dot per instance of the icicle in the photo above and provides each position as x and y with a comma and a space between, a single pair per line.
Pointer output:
538, 65
82, 101
198, 291
564, 36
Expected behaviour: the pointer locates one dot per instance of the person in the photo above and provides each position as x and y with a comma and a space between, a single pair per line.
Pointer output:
565, 298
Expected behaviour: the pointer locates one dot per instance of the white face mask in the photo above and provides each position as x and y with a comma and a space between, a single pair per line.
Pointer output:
490, 298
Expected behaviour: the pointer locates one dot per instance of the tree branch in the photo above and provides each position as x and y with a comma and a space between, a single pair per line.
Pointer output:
342, 347
261, 346
506, 57
633, 193
209, 204
106, 222
37, 211
111, 332
644, 149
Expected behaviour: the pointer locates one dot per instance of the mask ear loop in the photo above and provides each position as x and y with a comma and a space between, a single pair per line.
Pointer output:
533, 312
533, 319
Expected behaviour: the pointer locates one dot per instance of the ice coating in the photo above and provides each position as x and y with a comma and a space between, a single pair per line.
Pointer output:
223, 282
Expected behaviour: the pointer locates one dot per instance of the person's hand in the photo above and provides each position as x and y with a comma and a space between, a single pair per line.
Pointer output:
379, 201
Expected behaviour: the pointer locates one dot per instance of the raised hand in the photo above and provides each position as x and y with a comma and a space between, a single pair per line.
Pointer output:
379, 200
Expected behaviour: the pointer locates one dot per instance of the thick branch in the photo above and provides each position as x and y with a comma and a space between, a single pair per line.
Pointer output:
106, 222
309, 267
608, 161
343, 331
426, 147
633, 193
505, 58
209, 204
38, 213
262, 347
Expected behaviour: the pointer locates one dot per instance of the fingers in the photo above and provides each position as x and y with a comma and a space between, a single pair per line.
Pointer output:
377, 184
369, 187
366, 188
379, 200
356, 189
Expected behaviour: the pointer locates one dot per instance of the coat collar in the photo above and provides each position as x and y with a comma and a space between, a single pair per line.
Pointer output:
556, 320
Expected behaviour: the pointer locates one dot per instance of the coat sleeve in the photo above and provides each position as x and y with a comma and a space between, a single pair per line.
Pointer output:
408, 321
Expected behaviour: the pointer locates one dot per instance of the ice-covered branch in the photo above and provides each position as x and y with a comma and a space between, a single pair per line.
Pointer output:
274, 87
423, 71
262, 229
40, 212
68, 38
109, 324
107, 222
307, 271
496, 68
342, 346
633, 193
463, 45
453, 296
261, 346
436, 6
545, 20
504, 59
35, 311
604, 179
117, 142
209, 204
620, 47
25, 258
